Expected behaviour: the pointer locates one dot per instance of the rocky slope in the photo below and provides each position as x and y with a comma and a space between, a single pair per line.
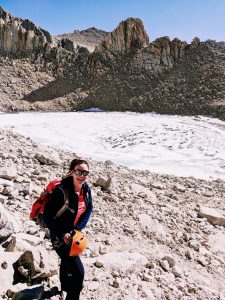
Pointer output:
88, 38
150, 237
125, 71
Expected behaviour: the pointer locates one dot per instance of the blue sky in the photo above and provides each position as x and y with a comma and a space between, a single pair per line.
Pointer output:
183, 19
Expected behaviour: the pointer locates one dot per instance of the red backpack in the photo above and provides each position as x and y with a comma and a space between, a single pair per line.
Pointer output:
39, 205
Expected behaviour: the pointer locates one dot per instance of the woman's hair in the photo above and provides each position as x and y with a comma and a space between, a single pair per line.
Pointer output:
77, 161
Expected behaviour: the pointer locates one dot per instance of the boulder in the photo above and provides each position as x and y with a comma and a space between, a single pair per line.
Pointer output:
103, 183
25, 241
8, 172
5, 182
9, 224
144, 192
212, 215
216, 241
123, 261
153, 226
36, 264
47, 155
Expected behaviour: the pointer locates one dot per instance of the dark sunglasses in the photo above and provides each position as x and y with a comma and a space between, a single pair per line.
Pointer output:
81, 172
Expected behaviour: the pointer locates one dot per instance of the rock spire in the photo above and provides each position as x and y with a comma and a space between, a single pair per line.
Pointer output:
129, 34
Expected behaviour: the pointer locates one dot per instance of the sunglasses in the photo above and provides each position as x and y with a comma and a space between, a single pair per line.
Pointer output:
81, 172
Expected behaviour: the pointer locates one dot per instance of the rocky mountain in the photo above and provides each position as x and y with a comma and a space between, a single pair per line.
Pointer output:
124, 72
150, 236
88, 38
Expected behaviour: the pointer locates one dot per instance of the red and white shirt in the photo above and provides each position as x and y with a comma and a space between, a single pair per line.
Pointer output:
81, 207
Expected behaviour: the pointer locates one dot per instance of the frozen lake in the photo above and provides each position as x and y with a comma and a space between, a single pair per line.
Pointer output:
183, 146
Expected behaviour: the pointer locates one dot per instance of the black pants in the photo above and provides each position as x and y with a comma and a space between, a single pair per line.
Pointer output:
71, 273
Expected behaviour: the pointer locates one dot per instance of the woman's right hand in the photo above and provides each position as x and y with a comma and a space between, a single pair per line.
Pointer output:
67, 239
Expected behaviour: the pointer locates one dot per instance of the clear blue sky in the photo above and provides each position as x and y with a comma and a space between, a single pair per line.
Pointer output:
183, 19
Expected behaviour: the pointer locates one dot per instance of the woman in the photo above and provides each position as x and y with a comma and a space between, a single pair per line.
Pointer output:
68, 210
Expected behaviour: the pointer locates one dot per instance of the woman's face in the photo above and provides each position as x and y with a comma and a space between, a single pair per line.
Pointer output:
82, 174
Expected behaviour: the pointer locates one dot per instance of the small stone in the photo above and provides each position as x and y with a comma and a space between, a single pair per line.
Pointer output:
180, 188
11, 245
194, 245
4, 265
191, 289
128, 230
99, 263
108, 198
93, 254
3, 199
115, 284
10, 293
176, 272
170, 260
146, 277
165, 265
93, 286
202, 261
103, 250
115, 274
157, 185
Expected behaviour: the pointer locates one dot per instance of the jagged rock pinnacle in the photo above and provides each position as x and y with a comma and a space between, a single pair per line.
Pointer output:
128, 35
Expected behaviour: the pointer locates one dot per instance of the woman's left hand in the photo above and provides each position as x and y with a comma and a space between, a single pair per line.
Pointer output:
67, 239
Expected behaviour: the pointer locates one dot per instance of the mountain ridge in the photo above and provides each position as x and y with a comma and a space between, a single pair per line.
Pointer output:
88, 38
124, 71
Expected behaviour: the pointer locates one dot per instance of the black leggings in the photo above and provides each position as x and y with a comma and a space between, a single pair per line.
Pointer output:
71, 275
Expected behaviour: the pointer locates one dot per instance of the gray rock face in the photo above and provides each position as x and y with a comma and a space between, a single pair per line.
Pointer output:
129, 34
88, 38
68, 44
19, 37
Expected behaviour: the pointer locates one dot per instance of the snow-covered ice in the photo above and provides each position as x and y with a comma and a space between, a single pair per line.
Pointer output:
183, 146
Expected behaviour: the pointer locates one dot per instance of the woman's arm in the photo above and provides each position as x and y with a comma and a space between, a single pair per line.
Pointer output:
86, 215
84, 218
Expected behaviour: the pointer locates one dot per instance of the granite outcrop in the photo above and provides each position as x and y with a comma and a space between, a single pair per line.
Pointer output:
20, 37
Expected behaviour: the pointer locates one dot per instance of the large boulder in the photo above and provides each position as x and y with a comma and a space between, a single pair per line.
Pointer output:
124, 261
47, 155
212, 215
9, 224
8, 173
33, 266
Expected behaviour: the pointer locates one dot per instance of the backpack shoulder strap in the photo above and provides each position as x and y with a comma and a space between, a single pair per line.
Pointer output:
66, 202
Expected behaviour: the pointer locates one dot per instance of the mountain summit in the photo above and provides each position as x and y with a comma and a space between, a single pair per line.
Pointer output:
129, 34
88, 38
